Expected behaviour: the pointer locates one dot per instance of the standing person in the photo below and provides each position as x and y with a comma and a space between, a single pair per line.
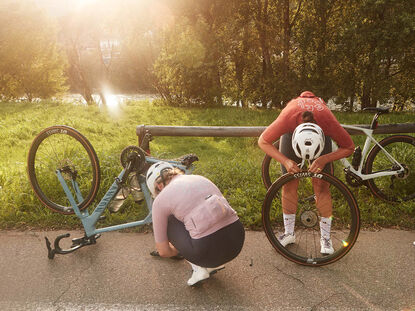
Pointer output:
191, 216
314, 111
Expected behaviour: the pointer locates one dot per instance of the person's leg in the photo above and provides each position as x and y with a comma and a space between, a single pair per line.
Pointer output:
324, 203
322, 188
182, 241
221, 246
289, 198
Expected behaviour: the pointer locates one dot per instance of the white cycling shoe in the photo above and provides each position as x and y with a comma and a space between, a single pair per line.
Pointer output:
286, 239
200, 273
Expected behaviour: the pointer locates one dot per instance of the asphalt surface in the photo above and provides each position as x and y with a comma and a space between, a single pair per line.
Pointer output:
118, 273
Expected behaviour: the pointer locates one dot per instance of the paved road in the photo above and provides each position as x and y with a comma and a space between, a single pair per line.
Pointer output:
118, 274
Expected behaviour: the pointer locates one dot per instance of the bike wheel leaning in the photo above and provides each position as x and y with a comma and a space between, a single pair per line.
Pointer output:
270, 168
306, 250
398, 187
65, 149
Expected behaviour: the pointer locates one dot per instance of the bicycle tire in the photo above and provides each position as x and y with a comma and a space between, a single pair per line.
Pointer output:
269, 165
306, 249
395, 188
58, 147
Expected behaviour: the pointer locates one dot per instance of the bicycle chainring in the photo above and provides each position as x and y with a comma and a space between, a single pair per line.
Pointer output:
353, 181
136, 156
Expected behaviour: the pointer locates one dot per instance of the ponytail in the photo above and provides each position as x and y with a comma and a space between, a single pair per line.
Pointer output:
308, 117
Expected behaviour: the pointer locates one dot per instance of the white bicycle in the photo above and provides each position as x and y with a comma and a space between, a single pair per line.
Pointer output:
387, 169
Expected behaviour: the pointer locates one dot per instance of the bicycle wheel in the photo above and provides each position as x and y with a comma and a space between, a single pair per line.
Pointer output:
399, 187
306, 249
270, 168
63, 148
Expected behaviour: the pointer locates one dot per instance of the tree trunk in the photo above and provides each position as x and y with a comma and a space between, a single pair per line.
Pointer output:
287, 38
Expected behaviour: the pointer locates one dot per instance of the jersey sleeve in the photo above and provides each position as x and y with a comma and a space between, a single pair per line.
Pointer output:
160, 221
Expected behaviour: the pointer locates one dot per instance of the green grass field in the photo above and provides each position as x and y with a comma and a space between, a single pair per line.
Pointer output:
234, 164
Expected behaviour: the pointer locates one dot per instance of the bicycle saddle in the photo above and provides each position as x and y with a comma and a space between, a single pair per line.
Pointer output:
376, 109
188, 159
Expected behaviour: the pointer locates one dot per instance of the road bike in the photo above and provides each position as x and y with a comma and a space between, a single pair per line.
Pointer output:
387, 169
64, 173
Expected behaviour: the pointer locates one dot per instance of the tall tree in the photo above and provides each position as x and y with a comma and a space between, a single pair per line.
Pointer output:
31, 64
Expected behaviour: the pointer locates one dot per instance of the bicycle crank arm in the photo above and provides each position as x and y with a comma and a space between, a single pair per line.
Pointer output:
76, 244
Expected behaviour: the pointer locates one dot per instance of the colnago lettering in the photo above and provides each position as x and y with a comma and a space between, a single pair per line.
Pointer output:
307, 174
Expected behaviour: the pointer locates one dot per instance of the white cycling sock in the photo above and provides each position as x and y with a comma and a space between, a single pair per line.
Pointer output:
289, 223
325, 227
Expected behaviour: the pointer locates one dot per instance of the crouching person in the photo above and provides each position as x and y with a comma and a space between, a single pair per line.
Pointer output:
191, 217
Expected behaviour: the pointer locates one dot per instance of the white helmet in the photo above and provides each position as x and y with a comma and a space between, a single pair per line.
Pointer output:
154, 172
308, 141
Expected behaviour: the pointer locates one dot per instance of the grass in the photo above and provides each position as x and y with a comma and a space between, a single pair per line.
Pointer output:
234, 164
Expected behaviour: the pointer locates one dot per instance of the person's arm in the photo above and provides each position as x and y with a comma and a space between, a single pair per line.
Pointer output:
319, 163
166, 249
273, 152
161, 213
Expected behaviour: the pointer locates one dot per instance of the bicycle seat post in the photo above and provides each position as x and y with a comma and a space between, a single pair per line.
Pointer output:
379, 111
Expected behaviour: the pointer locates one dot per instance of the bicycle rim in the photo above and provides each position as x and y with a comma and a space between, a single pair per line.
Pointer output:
399, 187
306, 249
63, 148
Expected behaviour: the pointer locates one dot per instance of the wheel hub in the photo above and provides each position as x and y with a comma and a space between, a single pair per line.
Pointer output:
309, 218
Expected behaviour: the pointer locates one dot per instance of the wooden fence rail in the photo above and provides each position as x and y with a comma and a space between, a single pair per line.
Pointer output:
243, 131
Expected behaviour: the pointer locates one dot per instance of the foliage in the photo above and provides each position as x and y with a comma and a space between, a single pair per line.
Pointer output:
266, 52
234, 164
215, 52
31, 64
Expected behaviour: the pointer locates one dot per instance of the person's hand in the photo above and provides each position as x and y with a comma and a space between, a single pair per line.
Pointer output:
317, 166
291, 166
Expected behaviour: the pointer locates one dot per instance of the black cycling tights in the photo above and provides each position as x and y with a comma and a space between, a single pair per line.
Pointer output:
210, 251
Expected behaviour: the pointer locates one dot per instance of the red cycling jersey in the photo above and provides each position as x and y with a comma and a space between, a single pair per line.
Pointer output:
291, 116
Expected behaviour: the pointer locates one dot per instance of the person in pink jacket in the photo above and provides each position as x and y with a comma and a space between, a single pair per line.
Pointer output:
193, 218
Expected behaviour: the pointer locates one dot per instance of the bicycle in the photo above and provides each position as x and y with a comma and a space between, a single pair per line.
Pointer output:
387, 169
64, 173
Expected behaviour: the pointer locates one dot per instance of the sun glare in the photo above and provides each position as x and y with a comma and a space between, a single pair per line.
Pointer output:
112, 103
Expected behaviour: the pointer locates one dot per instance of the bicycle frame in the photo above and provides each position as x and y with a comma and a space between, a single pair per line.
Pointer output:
365, 150
89, 220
